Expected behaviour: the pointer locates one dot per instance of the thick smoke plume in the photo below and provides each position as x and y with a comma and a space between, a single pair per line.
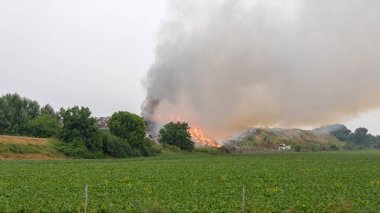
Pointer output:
225, 65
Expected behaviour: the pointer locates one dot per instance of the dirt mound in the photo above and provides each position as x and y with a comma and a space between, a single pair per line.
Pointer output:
22, 140
29, 156
28, 148
270, 139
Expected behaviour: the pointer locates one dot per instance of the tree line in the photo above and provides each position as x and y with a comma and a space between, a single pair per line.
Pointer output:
79, 134
75, 128
359, 139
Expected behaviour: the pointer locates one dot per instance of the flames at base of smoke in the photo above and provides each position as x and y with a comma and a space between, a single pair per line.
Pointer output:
201, 138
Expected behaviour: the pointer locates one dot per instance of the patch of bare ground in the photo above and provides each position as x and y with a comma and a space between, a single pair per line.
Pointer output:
28, 148
23, 140
29, 156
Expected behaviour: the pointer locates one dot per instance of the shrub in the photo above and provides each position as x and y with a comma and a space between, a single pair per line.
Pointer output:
171, 148
297, 148
115, 146
128, 126
177, 134
44, 126
334, 147
75, 149
148, 148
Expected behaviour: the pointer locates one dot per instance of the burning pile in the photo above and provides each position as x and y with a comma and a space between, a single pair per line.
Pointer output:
197, 134
200, 138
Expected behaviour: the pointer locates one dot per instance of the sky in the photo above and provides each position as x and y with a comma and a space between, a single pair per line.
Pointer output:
89, 53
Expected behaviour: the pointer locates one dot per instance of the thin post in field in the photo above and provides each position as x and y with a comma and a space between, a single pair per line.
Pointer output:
85, 198
243, 201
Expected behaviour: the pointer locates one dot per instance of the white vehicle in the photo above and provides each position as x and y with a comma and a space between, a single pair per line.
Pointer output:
282, 147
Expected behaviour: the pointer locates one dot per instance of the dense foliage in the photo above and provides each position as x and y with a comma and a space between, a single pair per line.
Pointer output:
128, 126
115, 146
360, 139
77, 123
294, 182
82, 137
80, 133
16, 113
76, 127
22, 116
177, 134
44, 126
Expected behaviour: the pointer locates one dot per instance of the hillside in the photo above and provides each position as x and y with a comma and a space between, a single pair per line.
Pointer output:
28, 148
261, 139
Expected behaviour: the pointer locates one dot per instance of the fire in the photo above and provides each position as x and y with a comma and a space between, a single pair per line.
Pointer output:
197, 134
200, 138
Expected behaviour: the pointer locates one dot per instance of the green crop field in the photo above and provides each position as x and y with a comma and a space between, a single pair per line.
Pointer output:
288, 182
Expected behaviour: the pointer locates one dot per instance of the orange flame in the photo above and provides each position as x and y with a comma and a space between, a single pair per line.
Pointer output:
197, 134
200, 138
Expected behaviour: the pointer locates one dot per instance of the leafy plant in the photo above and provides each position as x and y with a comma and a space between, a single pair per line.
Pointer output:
177, 134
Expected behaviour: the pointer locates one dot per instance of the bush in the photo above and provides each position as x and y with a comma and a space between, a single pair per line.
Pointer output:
297, 148
128, 126
75, 149
94, 143
148, 148
334, 147
116, 147
171, 148
177, 134
44, 126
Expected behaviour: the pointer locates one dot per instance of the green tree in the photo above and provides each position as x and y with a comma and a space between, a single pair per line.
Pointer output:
44, 126
177, 134
377, 142
48, 110
15, 114
342, 134
361, 137
128, 126
78, 125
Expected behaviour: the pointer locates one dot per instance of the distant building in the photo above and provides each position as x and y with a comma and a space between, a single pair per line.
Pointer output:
102, 122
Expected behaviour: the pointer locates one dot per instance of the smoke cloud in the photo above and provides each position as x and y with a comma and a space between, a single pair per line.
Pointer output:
225, 65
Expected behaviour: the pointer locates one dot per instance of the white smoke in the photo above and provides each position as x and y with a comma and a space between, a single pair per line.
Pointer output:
230, 64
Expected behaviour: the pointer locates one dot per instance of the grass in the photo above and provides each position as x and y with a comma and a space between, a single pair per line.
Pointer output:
22, 140
15, 147
289, 182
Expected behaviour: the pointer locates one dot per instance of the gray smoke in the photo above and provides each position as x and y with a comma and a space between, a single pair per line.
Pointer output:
225, 65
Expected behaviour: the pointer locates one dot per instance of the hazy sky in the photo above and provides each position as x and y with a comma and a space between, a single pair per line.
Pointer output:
88, 53
91, 53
